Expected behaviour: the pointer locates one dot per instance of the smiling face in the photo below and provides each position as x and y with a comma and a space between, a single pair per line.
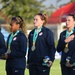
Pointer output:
70, 22
38, 22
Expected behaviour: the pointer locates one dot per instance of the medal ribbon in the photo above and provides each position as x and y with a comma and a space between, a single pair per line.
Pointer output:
69, 33
10, 39
36, 35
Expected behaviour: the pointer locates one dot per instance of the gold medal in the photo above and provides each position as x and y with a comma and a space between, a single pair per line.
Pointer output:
66, 45
66, 48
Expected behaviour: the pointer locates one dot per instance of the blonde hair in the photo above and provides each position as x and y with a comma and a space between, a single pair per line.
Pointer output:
43, 17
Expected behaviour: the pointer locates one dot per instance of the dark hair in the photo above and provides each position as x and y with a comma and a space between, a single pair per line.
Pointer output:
20, 21
43, 17
72, 14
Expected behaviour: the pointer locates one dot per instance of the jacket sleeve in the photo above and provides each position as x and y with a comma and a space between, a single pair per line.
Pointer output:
72, 59
22, 48
28, 49
2, 44
61, 43
51, 45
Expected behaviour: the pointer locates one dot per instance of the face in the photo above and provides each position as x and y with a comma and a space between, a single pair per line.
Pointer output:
70, 21
14, 27
37, 21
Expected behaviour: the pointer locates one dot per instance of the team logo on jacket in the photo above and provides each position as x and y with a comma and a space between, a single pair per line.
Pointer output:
14, 38
40, 33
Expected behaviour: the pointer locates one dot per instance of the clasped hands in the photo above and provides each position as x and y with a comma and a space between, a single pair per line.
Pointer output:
69, 65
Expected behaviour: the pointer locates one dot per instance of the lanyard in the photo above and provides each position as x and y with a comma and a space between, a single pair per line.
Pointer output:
10, 39
36, 34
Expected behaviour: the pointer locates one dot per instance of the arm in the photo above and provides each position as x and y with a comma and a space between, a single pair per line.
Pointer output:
61, 43
51, 45
28, 49
2, 44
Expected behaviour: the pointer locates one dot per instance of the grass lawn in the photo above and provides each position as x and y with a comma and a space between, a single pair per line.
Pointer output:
55, 70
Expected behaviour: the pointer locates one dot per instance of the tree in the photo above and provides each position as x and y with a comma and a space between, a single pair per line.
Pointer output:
25, 8
72, 0
51, 8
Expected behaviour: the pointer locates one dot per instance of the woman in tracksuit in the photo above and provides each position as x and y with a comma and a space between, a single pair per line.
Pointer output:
66, 44
41, 47
16, 45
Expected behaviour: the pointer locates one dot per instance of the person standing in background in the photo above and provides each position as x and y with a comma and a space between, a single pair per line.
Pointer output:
66, 44
41, 47
16, 48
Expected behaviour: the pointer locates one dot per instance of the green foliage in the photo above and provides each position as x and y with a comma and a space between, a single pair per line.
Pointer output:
72, 0
25, 8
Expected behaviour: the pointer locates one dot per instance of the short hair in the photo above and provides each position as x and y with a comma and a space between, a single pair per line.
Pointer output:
72, 14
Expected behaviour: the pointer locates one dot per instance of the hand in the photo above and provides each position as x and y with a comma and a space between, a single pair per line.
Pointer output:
50, 63
69, 65
70, 38
4, 56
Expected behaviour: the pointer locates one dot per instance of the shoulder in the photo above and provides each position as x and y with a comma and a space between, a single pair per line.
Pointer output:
1, 36
21, 34
47, 30
31, 32
63, 32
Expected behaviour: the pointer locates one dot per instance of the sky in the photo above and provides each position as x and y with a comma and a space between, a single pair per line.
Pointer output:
54, 2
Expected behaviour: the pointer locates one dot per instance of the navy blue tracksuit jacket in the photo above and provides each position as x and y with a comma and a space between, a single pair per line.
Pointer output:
71, 46
44, 46
2, 44
16, 59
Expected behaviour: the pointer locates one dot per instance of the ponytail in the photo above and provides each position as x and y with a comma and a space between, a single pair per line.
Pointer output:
46, 19
23, 27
